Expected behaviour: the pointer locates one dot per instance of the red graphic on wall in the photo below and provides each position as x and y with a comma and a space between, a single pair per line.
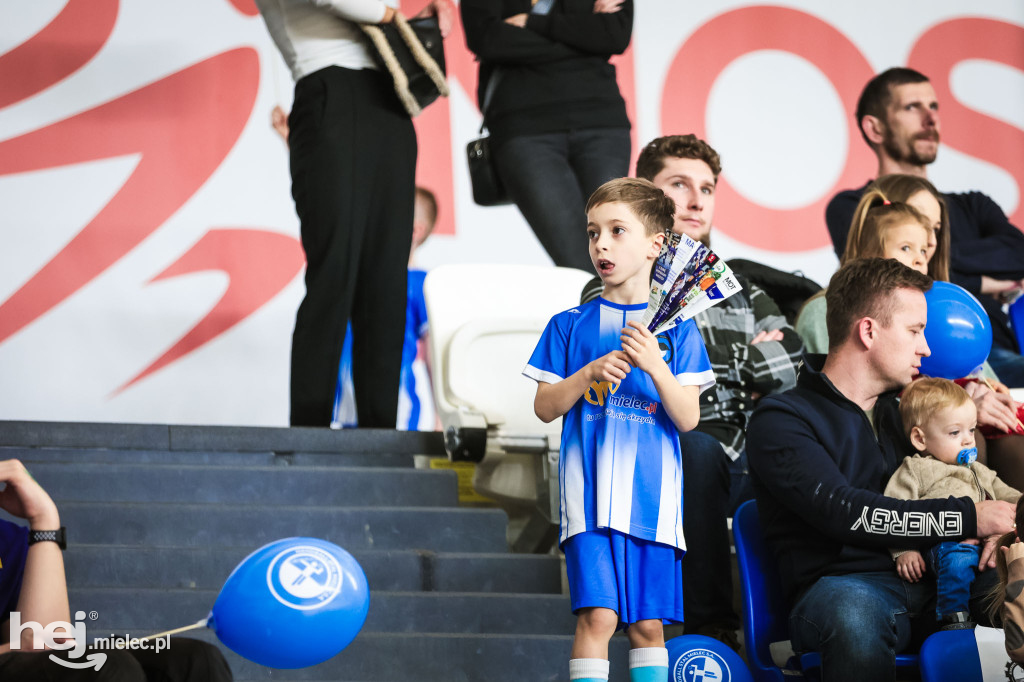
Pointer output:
700, 62
62, 47
182, 127
937, 52
259, 264
246, 7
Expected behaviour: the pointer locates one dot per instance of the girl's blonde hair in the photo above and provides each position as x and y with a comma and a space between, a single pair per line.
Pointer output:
876, 214
900, 187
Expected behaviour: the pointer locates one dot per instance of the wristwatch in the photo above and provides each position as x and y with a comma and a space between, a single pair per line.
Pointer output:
59, 536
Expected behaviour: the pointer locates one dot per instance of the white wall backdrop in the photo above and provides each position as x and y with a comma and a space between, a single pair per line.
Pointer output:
149, 262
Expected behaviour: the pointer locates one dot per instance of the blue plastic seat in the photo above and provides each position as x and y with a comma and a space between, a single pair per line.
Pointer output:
765, 610
1017, 321
951, 655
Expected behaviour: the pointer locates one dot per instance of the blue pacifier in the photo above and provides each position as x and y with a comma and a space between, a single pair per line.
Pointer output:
967, 456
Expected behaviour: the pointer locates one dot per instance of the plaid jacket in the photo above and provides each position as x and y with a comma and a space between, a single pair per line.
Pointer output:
741, 370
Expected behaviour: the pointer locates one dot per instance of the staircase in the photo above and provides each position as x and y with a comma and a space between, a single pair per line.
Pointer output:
159, 515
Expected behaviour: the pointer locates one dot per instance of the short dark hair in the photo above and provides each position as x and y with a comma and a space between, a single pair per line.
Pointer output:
652, 159
866, 288
877, 94
648, 203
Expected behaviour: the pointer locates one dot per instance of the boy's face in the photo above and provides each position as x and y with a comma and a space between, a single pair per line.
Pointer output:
620, 248
691, 184
946, 432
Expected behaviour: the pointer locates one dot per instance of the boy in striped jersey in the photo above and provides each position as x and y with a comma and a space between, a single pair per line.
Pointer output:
624, 395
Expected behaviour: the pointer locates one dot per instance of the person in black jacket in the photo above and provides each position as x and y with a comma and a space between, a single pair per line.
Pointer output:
820, 455
898, 116
558, 124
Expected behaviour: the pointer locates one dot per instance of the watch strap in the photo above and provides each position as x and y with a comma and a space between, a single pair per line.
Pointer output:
59, 536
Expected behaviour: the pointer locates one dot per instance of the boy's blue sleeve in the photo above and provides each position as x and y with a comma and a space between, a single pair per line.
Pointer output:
13, 552
689, 361
549, 362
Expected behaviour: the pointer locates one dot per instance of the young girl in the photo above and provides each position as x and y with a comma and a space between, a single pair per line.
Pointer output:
881, 228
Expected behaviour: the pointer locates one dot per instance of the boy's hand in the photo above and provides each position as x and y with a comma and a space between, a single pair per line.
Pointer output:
612, 367
1014, 551
641, 347
910, 565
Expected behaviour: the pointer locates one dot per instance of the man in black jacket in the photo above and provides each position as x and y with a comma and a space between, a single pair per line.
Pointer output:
898, 116
820, 456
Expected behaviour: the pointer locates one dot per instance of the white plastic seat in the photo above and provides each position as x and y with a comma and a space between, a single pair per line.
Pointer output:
485, 321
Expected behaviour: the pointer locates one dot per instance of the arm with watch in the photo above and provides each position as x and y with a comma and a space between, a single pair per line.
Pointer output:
44, 595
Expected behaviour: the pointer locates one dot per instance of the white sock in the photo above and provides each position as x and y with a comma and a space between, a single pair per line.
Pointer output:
592, 668
649, 656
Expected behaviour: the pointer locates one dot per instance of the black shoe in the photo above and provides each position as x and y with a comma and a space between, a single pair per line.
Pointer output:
957, 621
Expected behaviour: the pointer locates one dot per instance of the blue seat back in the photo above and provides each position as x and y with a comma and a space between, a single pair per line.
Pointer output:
1017, 322
765, 611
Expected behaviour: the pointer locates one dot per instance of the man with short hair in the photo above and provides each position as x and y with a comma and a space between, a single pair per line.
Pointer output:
898, 117
753, 352
820, 456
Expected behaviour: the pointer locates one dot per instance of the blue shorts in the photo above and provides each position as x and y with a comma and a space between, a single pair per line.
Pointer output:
638, 579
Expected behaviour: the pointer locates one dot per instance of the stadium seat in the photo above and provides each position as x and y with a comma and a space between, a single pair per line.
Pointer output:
951, 655
1017, 322
485, 321
765, 611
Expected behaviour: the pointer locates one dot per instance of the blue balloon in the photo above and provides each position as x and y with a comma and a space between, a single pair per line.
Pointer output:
696, 657
293, 603
959, 332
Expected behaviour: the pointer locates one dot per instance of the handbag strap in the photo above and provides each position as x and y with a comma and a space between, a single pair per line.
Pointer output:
541, 7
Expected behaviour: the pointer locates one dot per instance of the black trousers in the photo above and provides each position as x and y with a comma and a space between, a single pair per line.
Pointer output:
353, 165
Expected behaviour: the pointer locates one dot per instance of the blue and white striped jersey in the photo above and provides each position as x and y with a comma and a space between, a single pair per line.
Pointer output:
620, 464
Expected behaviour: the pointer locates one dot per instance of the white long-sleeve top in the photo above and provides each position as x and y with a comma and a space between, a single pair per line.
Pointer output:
313, 34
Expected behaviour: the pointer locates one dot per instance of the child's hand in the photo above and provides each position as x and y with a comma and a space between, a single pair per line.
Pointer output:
612, 367
1014, 551
641, 347
910, 565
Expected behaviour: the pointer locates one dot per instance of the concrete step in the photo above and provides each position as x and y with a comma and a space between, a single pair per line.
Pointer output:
271, 485
396, 570
354, 529
120, 609
222, 438
374, 657
196, 457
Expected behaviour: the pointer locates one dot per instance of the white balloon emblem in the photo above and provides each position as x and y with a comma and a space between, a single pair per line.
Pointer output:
304, 577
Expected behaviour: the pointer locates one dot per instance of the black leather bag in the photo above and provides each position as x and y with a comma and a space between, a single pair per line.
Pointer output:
412, 51
483, 176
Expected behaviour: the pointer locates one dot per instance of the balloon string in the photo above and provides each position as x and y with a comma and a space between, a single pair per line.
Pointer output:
194, 626
989, 384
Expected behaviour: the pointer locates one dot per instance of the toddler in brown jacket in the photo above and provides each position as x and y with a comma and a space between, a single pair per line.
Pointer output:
939, 418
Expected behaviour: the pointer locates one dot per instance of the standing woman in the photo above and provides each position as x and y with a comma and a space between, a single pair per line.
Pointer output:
558, 124
353, 163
